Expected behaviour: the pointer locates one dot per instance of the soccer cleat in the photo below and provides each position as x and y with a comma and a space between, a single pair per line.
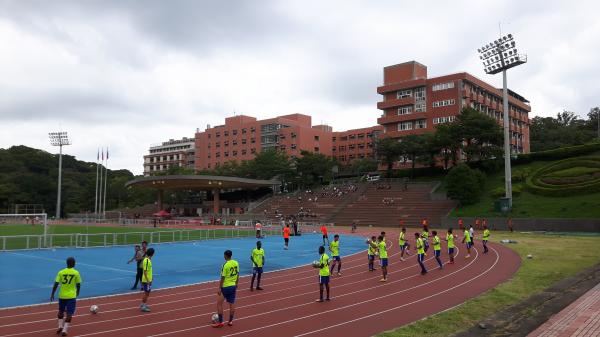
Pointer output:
319, 300
63, 334
339, 274
145, 309
218, 325
383, 280
259, 288
401, 259
327, 299
467, 256
423, 272
230, 323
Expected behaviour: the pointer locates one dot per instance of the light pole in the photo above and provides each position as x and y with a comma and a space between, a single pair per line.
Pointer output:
59, 139
499, 56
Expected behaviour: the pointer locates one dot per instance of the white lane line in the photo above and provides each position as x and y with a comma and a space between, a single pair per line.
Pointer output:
78, 263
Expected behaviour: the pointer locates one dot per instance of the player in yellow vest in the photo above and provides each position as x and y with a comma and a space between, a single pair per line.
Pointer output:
258, 261
437, 248
70, 285
371, 252
324, 273
485, 238
420, 246
383, 255
334, 248
230, 274
147, 279
403, 243
425, 238
450, 239
467, 241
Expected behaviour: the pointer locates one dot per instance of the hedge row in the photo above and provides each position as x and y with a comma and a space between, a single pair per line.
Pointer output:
560, 153
535, 185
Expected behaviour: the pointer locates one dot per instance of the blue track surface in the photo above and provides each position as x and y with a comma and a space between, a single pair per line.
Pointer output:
26, 277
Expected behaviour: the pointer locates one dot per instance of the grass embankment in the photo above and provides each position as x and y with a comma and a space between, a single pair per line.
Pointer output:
528, 205
554, 258
66, 235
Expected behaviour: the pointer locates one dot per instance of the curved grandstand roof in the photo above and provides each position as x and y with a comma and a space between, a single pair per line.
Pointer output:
199, 181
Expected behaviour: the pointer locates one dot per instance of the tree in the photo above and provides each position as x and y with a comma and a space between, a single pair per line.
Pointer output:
387, 150
482, 135
363, 165
448, 139
314, 168
547, 133
464, 184
594, 121
413, 147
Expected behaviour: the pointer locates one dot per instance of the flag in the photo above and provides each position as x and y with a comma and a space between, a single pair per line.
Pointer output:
106, 153
98, 155
102, 154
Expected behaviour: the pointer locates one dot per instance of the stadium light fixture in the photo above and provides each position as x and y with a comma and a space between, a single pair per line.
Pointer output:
59, 139
499, 56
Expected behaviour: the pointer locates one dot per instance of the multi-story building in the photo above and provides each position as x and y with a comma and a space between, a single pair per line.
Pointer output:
161, 157
415, 104
241, 137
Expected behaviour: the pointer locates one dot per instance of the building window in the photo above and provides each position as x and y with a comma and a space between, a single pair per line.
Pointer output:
208, 136
226, 143
218, 154
293, 146
293, 135
361, 136
244, 141
446, 102
405, 126
404, 93
421, 124
217, 134
317, 138
252, 150
244, 152
217, 144
225, 133
252, 129
234, 142
342, 148
333, 139
405, 110
442, 86
234, 153
252, 140
243, 131
234, 132
420, 107
420, 94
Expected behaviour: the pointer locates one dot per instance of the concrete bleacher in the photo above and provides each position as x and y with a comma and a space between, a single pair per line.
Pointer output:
377, 204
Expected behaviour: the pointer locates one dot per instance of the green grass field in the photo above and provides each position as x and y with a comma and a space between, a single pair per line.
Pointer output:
554, 258
66, 235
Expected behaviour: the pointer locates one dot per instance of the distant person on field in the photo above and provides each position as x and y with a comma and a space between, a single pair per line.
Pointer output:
324, 232
510, 224
486, 237
147, 279
353, 227
230, 275
70, 285
286, 236
258, 261
138, 256
472, 235
461, 224
258, 228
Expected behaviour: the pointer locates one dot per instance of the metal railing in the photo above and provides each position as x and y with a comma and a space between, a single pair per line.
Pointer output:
83, 240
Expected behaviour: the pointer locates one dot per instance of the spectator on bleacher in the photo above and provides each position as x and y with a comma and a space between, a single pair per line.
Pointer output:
138, 256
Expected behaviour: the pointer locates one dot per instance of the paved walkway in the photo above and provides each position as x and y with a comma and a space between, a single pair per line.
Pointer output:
580, 318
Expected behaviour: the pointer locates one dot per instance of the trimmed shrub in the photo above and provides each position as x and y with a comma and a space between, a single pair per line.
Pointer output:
465, 184
560, 153
499, 192
542, 182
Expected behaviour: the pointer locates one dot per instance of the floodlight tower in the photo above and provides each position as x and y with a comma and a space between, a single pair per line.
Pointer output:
499, 56
59, 139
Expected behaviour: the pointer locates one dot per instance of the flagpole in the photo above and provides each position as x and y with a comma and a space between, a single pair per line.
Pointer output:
105, 181
100, 190
96, 200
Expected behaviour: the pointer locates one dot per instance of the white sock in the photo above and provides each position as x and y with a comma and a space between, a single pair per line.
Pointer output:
61, 322
66, 327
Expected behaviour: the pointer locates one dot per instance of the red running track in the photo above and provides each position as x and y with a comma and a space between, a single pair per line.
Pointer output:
360, 305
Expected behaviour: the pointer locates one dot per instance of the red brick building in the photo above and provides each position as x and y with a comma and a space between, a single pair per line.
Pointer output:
243, 136
415, 104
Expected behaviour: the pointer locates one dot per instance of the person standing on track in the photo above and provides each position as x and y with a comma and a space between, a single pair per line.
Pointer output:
138, 256
450, 239
472, 235
286, 236
334, 248
147, 279
230, 275
425, 238
486, 237
437, 248
323, 273
325, 236
371, 252
258, 261
420, 247
403, 243
258, 228
467, 241
70, 285
383, 256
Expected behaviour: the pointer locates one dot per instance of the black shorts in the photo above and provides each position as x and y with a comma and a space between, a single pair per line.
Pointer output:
286, 240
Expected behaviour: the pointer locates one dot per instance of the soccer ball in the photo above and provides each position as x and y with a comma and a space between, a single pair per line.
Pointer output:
94, 309
316, 263
214, 318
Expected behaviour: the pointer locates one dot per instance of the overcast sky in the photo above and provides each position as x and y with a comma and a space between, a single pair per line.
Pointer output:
128, 74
